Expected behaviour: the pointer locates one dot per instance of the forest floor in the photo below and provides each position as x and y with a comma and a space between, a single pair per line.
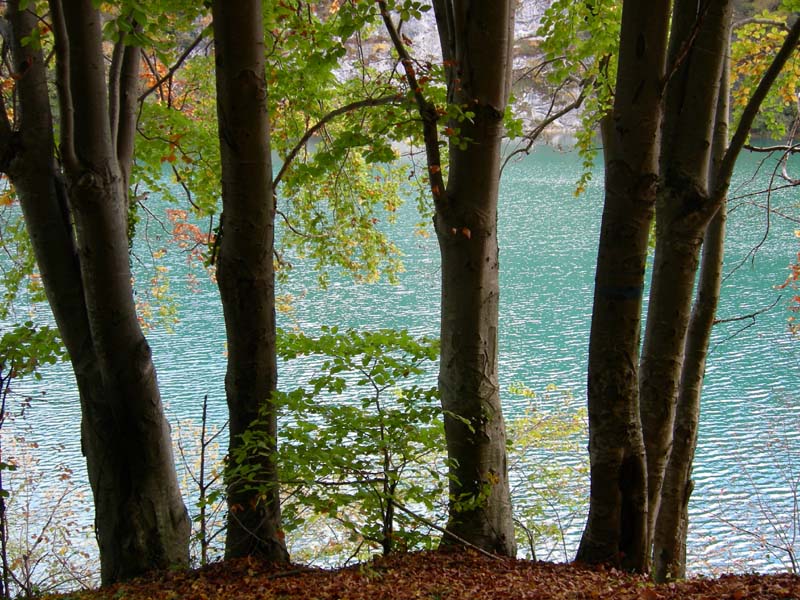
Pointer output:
442, 575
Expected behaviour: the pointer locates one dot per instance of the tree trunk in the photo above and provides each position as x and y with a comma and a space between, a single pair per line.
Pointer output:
683, 210
29, 162
245, 269
141, 521
478, 37
671, 526
669, 539
616, 528
684, 206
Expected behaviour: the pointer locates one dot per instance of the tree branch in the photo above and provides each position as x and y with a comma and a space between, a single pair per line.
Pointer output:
683, 51
427, 111
443, 9
751, 316
759, 21
790, 148
296, 231
181, 59
324, 121
546, 122
65, 106
750, 112
114, 75
6, 133
127, 104
444, 531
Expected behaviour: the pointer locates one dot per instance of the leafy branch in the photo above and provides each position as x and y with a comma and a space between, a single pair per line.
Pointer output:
311, 131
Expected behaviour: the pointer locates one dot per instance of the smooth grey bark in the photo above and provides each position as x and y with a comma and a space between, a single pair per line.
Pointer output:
685, 204
669, 546
671, 527
245, 269
672, 519
616, 529
28, 160
698, 41
128, 103
476, 41
140, 519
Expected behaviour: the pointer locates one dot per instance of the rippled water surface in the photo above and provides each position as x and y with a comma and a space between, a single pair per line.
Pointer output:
548, 239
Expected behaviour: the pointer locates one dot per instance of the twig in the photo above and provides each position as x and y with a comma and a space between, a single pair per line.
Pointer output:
768, 212
444, 531
752, 109
752, 322
425, 108
174, 67
749, 316
546, 122
791, 148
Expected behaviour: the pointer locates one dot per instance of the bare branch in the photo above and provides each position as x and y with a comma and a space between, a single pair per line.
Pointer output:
768, 212
790, 148
296, 231
752, 321
114, 73
546, 122
758, 21
126, 108
751, 316
444, 531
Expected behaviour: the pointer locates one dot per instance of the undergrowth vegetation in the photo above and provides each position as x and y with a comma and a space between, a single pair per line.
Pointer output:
361, 462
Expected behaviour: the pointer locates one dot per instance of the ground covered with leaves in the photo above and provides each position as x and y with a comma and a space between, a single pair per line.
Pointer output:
444, 575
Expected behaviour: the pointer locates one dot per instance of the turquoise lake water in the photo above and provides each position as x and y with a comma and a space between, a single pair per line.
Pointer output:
750, 431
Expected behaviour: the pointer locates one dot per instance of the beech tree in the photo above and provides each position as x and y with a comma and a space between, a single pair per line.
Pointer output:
661, 161
681, 218
616, 527
672, 519
689, 199
75, 208
476, 41
245, 268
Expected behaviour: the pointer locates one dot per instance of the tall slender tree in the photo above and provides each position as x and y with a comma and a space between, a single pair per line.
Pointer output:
672, 520
616, 530
476, 40
698, 41
245, 269
75, 210
690, 209
685, 202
